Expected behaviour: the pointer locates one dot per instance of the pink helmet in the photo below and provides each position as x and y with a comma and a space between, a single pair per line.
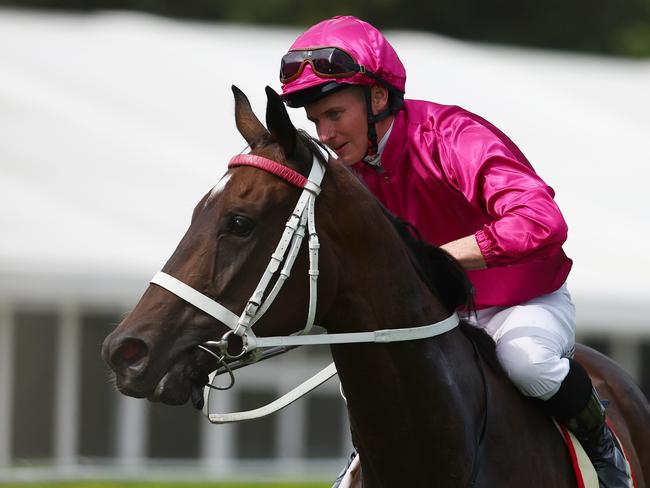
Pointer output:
373, 61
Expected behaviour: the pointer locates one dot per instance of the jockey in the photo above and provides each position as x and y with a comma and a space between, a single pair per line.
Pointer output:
470, 190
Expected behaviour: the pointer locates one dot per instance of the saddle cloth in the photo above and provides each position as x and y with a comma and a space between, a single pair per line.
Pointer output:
584, 470
585, 473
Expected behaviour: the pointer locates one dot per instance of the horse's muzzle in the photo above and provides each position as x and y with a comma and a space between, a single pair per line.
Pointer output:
168, 381
128, 357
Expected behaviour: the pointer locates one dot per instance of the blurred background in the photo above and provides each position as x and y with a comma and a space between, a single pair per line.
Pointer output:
117, 116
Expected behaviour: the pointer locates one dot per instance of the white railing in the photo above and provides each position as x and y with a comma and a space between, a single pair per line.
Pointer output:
217, 455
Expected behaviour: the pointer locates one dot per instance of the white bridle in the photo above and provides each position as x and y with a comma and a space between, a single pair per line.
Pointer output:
301, 219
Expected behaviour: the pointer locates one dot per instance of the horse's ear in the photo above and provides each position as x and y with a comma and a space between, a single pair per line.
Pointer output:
279, 123
248, 124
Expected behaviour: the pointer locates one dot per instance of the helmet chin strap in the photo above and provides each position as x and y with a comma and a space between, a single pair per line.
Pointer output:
372, 154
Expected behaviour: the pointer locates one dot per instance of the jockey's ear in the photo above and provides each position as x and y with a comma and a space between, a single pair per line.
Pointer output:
279, 123
379, 98
248, 124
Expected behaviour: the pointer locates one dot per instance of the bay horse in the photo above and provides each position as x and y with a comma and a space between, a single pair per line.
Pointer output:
436, 411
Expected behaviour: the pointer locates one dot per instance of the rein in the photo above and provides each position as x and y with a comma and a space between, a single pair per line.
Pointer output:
302, 219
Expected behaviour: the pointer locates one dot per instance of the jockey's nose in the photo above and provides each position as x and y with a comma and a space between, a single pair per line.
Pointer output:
124, 353
325, 133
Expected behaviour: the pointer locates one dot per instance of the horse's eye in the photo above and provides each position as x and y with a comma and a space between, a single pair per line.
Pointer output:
239, 226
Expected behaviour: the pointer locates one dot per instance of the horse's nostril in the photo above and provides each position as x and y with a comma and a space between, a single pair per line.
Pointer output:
130, 352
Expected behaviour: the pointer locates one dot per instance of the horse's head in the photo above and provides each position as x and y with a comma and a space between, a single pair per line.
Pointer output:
233, 232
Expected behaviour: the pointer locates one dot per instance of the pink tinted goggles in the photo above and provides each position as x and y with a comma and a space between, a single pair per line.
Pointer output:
326, 62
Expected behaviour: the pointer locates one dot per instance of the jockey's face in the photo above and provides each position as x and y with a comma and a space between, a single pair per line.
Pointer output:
341, 123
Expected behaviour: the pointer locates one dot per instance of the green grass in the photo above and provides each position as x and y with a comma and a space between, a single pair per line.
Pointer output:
135, 484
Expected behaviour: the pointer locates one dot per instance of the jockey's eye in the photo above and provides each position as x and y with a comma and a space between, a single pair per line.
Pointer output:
239, 225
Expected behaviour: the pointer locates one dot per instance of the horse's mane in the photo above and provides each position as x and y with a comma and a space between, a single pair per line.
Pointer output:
442, 273
446, 278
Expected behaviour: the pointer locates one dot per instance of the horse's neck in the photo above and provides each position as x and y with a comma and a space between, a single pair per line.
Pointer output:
377, 285
414, 409
409, 402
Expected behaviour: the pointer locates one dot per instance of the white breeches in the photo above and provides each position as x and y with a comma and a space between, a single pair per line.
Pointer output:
533, 340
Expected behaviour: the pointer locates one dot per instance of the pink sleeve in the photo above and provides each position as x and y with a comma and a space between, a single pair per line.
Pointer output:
494, 175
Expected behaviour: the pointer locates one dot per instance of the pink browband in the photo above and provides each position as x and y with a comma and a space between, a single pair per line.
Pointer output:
277, 169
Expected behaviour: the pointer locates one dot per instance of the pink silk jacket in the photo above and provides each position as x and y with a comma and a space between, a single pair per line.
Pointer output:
453, 174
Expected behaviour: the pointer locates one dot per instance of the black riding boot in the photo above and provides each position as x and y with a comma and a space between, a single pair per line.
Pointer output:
594, 434
577, 405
